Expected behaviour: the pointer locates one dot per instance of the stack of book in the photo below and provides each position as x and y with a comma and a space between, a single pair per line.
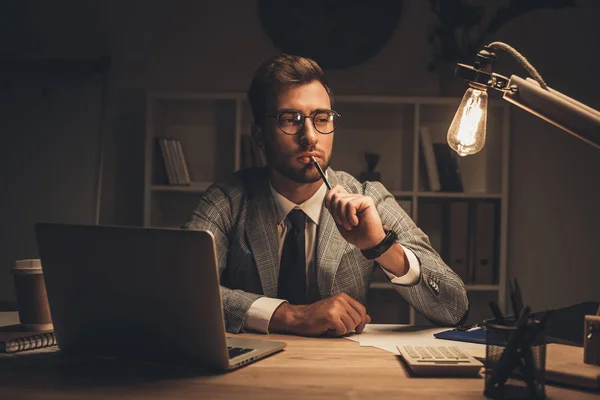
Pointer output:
465, 234
175, 163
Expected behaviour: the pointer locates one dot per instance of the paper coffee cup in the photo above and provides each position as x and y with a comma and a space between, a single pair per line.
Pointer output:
32, 300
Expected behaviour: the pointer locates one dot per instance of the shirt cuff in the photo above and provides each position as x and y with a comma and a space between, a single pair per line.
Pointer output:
414, 270
260, 312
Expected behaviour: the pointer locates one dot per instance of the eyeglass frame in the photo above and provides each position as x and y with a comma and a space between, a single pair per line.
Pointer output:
304, 117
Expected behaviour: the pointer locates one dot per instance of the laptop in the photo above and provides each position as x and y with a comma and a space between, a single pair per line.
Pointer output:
140, 293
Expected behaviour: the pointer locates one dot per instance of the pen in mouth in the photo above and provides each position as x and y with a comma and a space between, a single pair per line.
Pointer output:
314, 161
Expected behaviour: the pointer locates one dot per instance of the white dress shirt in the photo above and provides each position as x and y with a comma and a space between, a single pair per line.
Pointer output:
260, 312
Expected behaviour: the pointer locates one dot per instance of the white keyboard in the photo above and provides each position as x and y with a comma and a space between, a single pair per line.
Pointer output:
439, 361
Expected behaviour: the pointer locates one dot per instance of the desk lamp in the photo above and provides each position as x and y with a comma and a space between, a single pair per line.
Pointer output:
466, 134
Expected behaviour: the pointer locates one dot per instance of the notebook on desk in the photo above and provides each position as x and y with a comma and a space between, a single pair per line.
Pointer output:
16, 338
140, 293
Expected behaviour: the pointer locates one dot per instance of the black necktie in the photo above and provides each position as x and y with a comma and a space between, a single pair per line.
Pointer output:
292, 269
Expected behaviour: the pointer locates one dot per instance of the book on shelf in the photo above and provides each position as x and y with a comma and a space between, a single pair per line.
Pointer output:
447, 163
174, 161
14, 338
182, 166
430, 218
458, 238
485, 243
167, 158
431, 167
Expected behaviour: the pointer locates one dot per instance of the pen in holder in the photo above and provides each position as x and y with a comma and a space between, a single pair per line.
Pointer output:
515, 357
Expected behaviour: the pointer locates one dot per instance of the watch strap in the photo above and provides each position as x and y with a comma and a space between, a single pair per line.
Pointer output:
390, 238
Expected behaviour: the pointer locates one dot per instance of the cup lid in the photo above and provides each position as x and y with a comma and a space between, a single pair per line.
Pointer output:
29, 265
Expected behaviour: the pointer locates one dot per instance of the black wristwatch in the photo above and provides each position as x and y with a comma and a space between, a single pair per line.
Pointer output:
387, 242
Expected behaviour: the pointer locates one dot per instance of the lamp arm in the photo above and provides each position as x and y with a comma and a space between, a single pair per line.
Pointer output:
521, 59
556, 108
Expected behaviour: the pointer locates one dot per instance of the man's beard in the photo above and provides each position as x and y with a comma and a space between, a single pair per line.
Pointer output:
305, 174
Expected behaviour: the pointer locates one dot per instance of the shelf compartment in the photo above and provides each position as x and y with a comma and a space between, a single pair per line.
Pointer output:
384, 129
481, 172
206, 130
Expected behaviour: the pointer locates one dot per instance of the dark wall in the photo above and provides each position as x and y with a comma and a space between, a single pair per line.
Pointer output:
215, 46
49, 162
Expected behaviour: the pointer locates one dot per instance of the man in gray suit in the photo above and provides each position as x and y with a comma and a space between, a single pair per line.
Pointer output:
296, 257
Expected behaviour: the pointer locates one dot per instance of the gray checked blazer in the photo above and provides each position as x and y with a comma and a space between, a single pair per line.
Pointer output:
240, 212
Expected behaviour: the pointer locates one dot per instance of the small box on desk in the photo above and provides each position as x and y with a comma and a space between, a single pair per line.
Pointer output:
591, 340
515, 359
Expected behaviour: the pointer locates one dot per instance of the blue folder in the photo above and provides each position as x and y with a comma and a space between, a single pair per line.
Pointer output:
476, 335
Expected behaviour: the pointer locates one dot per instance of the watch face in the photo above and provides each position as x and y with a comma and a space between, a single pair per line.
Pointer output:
335, 33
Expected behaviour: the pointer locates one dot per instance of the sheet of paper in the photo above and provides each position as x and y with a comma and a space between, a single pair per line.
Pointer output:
353, 336
388, 336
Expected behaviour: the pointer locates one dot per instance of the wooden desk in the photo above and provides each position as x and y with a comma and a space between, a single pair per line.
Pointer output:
307, 369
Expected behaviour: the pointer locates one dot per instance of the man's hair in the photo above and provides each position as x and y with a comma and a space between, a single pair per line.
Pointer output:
283, 70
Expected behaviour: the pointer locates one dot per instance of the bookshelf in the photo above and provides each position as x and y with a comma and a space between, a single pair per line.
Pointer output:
211, 129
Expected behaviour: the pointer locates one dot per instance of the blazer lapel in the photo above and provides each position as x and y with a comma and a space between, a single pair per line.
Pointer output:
330, 248
261, 230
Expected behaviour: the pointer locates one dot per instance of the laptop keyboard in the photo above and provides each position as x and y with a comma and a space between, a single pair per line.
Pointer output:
237, 351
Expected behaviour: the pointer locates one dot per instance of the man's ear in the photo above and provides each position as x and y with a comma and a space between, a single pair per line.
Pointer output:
258, 135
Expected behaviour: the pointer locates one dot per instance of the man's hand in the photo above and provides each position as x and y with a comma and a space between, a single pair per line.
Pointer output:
336, 316
356, 217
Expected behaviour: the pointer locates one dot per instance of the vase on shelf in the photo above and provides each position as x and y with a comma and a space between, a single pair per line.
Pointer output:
370, 175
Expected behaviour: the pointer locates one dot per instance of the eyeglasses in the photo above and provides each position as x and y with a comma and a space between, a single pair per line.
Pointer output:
291, 122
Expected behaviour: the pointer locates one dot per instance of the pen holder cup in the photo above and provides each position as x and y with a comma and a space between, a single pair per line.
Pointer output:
515, 360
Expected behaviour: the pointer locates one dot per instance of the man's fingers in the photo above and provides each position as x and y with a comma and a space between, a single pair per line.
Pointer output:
342, 207
336, 208
351, 214
340, 211
331, 193
361, 203
357, 311
348, 323
355, 315
356, 305
365, 321
337, 326
332, 202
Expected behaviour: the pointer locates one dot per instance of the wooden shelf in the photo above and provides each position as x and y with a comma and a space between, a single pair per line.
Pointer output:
458, 195
472, 287
195, 187
401, 193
